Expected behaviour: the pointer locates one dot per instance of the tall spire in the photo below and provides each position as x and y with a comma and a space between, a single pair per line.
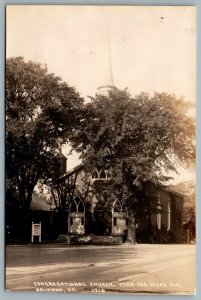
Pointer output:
109, 76
109, 63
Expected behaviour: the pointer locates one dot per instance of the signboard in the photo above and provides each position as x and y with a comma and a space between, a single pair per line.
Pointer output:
121, 222
36, 231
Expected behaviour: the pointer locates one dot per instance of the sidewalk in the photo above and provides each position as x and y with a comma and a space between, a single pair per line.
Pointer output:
74, 241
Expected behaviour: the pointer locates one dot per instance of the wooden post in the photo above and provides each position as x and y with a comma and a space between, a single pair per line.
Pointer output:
40, 233
32, 237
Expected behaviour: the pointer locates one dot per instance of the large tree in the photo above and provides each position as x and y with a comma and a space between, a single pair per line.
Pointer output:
139, 140
42, 112
188, 189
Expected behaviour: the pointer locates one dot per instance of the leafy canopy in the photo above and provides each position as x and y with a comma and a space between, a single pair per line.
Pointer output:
42, 112
139, 138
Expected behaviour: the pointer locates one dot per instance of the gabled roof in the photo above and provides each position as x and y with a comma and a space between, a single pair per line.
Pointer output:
81, 166
171, 191
73, 171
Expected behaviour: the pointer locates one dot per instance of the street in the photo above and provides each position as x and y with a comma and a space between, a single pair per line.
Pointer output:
140, 269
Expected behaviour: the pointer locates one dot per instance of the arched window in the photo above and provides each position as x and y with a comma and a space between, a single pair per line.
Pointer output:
94, 174
77, 205
102, 174
168, 216
73, 207
76, 217
80, 206
118, 218
99, 174
158, 215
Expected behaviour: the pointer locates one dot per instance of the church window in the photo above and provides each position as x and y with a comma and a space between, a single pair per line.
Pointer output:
77, 205
95, 174
73, 207
168, 216
80, 206
102, 173
158, 216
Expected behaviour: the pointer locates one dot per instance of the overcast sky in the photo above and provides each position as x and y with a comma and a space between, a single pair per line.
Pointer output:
152, 48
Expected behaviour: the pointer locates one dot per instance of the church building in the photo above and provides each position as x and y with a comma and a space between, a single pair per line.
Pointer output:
92, 210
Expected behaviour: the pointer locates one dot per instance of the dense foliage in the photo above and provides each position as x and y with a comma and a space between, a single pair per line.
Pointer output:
42, 112
138, 140
188, 189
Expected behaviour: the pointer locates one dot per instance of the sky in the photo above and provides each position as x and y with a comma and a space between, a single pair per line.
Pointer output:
152, 47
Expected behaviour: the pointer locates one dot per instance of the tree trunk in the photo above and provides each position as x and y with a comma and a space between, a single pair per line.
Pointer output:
63, 220
131, 234
24, 224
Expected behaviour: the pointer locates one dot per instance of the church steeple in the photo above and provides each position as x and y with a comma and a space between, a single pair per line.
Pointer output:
109, 58
109, 76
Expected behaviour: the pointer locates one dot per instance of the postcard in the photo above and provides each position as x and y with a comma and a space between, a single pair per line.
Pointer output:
100, 149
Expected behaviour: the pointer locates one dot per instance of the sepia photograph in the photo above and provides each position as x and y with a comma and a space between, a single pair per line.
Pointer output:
100, 149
